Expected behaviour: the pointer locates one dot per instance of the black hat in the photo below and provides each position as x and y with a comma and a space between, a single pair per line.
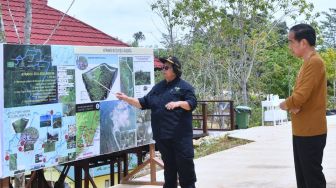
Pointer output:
171, 59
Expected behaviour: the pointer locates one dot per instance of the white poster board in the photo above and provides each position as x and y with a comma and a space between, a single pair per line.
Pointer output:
58, 103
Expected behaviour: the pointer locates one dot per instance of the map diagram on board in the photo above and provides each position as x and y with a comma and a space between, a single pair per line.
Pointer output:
30, 76
88, 130
37, 136
63, 55
59, 105
64, 58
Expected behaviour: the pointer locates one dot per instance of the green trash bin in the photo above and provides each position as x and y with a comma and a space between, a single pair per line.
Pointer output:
242, 116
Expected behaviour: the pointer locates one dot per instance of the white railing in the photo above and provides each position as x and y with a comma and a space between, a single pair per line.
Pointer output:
271, 111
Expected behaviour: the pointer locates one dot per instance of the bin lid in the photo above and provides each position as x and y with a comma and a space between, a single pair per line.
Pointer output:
243, 108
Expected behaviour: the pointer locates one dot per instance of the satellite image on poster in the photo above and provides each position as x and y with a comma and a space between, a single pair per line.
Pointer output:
126, 77
58, 103
118, 128
97, 78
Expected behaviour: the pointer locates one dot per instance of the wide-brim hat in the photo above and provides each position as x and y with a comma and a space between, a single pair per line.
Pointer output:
172, 60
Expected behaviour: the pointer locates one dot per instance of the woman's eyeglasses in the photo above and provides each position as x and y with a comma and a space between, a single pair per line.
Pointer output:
165, 68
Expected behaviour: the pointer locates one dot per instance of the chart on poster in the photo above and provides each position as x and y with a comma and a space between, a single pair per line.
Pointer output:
58, 104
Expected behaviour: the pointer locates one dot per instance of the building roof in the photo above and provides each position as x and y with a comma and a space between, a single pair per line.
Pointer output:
44, 19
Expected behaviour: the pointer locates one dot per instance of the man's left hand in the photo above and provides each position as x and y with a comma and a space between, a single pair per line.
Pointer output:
283, 106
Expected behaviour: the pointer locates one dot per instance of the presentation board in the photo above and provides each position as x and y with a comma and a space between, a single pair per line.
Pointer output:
58, 104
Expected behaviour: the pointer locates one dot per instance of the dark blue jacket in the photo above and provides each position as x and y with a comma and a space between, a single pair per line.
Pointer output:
167, 124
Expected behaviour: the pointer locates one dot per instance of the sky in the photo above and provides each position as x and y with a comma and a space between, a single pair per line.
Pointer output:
117, 18
122, 18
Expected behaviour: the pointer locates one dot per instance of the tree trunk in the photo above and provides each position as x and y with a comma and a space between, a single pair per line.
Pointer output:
2, 27
170, 28
28, 21
244, 91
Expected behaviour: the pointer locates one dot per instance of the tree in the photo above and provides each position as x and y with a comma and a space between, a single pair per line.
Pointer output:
277, 73
329, 57
329, 29
139, 36
28, 21
229, 36
165, 9
2, 27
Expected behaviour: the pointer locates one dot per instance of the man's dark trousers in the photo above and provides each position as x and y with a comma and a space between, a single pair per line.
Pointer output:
308, 155
177, 156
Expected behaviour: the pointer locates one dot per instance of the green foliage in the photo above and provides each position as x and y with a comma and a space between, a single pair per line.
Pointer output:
329, 57
225, 40
233, 49
255, 118
165, 9
138, 36
158, 76
277, 72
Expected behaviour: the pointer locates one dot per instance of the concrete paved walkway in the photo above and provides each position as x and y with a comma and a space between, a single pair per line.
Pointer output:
266, 163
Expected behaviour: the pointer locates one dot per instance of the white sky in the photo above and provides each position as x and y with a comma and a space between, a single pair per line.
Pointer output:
123, 18
117, 18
